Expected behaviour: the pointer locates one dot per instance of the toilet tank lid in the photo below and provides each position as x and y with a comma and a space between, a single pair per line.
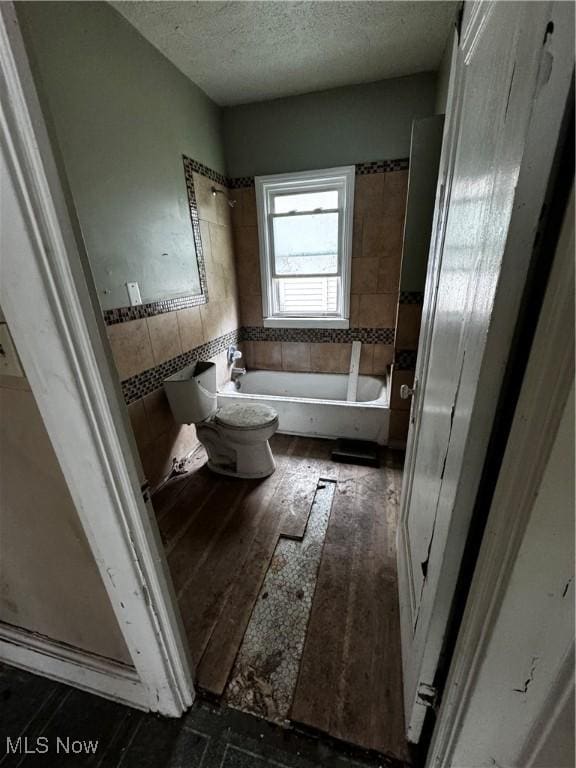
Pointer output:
247, 416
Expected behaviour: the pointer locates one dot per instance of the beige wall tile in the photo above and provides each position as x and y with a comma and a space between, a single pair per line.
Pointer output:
223, 209
373, 235
380, 206
295, 356
139, 422
229, 316
158, 413
383, 356
398, 430
207, 204
369, 194
330, 358
408, 326
251, 311
244, 212
164, 337
220, 267
365, 275
366, 358
246, 347
247, 261
267, 355
394, 197
221, 244
377, 310
216, 280
205, 237
211, 319
190, 328
354, 310
389, 275
357, 229
131, 347
393, 238
398, 379
159, 455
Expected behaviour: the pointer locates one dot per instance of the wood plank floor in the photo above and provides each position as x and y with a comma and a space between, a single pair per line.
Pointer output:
220, 535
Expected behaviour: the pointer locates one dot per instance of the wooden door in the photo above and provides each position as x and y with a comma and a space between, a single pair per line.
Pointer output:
508, 89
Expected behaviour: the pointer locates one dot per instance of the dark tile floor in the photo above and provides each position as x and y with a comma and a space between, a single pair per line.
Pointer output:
41, 712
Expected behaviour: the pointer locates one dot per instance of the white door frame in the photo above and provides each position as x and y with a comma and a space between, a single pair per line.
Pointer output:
56, 324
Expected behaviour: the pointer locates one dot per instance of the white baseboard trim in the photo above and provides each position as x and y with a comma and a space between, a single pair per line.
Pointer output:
80, 669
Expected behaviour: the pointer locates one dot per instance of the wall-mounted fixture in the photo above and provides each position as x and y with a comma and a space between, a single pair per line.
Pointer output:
233, 354
216, 191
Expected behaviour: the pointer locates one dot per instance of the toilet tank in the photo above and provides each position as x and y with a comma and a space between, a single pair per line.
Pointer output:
192, 393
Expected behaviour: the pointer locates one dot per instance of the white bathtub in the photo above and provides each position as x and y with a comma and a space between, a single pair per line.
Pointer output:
315, 403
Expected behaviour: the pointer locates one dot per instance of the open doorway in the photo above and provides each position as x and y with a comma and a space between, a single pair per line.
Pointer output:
248, 556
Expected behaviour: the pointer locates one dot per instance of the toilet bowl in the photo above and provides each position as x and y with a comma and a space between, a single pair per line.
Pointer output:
235, 436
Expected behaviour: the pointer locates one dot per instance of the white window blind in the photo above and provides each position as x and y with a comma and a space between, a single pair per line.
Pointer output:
303, 296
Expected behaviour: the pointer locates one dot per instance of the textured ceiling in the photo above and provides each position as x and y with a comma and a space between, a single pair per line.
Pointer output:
243, 51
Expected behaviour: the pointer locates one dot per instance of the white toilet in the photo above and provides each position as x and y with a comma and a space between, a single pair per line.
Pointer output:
235, 436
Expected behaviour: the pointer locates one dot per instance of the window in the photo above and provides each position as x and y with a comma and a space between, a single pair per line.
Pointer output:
305, 228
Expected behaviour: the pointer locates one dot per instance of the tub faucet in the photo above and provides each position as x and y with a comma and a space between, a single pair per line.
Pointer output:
235, 375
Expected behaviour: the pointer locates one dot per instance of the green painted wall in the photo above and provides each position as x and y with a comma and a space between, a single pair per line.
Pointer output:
123, 116
320, 130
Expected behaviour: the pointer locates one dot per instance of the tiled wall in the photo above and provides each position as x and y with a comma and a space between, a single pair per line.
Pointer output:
380, 200
148, 348
408, 321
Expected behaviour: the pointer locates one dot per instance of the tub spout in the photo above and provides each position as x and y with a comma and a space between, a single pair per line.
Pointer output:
235, 375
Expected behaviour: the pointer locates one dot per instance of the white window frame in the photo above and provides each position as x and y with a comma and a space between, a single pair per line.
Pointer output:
267, 187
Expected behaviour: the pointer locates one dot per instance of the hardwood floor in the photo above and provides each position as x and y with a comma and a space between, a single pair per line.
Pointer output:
220, 536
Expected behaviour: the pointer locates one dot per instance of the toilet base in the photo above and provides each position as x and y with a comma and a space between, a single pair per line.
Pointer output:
245, 460
222, 470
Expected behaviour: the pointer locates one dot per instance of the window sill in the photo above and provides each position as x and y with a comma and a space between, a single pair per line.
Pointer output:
306, 322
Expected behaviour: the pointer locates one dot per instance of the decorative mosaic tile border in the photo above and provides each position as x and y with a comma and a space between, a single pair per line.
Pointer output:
411, 297
362, 169
203, 170
405, 359
143, 383
319, 335
239, 182
382, 166
151, 308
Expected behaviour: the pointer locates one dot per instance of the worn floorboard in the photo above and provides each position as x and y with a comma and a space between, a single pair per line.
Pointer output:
221, 534
350, 682
285, 508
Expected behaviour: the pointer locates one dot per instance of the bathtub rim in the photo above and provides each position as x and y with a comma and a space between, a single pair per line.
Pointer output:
383, 402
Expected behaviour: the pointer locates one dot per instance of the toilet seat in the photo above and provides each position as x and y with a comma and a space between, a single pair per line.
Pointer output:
245, 416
